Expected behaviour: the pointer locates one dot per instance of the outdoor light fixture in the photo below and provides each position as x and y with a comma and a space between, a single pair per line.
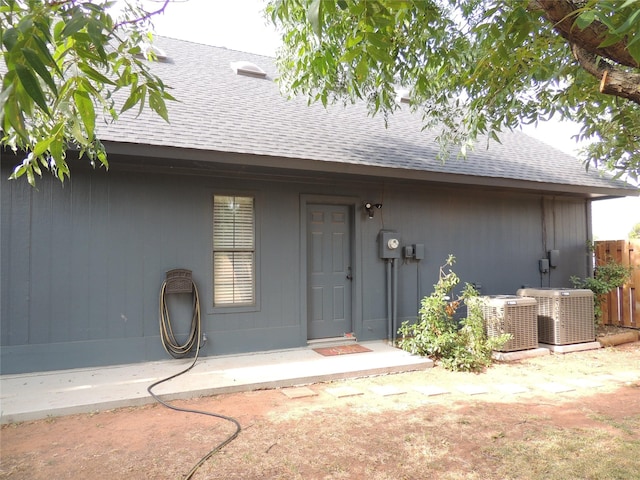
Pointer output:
368, 206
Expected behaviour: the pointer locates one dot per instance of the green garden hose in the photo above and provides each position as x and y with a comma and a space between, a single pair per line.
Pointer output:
178, 350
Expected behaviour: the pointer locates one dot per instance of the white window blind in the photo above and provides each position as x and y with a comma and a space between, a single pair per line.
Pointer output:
233, 250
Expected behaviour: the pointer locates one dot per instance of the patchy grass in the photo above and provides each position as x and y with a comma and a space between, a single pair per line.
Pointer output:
562, 453
451, 443
628, 425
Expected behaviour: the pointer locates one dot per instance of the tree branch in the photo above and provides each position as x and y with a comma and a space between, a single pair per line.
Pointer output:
144, 17
562, 13
613, 80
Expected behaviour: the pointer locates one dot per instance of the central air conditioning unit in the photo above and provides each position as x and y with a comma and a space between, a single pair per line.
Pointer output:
510, 314
565, 316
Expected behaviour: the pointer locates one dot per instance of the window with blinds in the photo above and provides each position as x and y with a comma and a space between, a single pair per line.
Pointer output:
233, 250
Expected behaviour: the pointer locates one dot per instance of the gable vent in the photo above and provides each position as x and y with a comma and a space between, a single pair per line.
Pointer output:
156, 52
248, 69
403, 95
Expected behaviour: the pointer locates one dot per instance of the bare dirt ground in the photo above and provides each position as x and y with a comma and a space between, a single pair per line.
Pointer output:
592, 431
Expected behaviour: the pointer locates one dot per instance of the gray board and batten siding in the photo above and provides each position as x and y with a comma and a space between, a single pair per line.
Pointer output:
82, 262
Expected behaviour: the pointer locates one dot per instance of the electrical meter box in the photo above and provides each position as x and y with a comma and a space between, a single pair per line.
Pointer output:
389, 241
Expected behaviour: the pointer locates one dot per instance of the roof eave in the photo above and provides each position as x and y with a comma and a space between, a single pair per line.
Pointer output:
307, 165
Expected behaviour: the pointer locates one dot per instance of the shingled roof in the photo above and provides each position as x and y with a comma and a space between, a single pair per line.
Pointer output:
221, 111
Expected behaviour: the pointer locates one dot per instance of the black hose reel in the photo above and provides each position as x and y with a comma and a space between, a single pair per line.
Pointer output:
179, 280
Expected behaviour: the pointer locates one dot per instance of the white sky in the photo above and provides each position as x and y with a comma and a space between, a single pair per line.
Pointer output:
240, 25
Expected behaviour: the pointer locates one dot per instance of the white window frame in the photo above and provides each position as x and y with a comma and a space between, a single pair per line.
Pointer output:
234, 281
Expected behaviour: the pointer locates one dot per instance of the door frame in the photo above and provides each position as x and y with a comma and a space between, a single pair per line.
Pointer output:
356, 256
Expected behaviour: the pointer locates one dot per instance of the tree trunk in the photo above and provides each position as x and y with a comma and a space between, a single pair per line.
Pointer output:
612, 68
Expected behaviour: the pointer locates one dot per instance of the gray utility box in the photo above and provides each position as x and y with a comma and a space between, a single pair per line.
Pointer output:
510, 314
565, 316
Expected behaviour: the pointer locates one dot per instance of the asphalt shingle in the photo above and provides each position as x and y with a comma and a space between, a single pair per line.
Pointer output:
221, 111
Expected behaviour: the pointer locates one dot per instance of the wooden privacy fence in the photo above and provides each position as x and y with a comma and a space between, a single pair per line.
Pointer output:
622, 306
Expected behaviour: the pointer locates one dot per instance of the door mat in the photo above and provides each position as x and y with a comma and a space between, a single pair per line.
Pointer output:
341, 350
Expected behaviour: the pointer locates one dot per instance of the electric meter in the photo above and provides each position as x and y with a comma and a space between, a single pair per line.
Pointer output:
389, 242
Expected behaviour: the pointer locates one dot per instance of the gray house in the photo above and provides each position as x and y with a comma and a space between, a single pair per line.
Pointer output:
298, 223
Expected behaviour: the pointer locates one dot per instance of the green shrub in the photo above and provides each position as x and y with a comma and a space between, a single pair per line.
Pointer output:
606, 278
437, 334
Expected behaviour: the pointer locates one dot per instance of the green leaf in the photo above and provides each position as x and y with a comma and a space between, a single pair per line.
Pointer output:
34, 60
585, 19
14, 117
57, 148
94, 74
86, 111
94, 30
634, 40
379, 54
102, 157
9, 38
36, 168
350, 54
609, 40
25, 24
77, 23
379, 41
314, 14
143, 96
42, 146
46, 54
30, 177
628, 24
4, 95
634, 49
132, 100
167, 96
628, 3
32, 87
58, 28
18, 171
43, 27
78, 134
362, 69
354, 40
157, 105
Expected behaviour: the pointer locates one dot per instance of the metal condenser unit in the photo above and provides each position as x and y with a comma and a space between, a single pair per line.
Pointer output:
510, 314
565, 316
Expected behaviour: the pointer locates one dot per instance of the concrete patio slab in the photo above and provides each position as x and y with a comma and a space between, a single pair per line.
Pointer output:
40, 395
511, 388
431, 390
574, 347
472, 389
387, 390
555, 387
298, 392
342, 392
520, 354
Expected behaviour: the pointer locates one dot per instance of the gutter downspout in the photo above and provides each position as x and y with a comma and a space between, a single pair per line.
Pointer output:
389, 304
394, 318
